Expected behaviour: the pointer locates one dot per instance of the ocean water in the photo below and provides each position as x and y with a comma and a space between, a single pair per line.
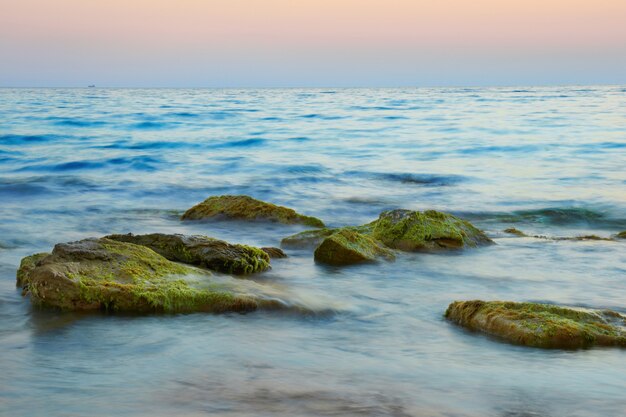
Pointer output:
76, 163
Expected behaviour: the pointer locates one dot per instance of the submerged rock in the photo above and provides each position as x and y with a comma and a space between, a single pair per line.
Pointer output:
203, 251
243, 207
346, 247
428, 230
104, 274
274, 253
312, 238
306, 239
541, 325
516, 232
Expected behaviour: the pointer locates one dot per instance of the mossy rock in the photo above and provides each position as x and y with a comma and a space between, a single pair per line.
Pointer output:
202, 251
540, 325
426, 231
104, 274
346, 247
621, 235
242, 207
516, 232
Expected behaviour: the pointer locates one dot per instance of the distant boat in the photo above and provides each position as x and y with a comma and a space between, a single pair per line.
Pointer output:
91, 86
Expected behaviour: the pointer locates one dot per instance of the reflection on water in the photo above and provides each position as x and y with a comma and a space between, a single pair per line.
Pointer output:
549, 161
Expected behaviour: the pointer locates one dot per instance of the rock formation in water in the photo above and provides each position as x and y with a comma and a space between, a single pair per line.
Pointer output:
346, 247
105, 274
242, 207
203, 251
540, 325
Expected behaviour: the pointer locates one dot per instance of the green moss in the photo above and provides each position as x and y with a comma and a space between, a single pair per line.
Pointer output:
103, 274
346, 247
203, 251
540, 325
26, 265
428, 230
243, 207
621, 235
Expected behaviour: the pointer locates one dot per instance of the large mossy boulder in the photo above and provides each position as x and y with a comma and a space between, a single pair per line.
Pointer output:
104, 274
426, 231
621, 235
203, 251
346, 247
242, 207
540, 325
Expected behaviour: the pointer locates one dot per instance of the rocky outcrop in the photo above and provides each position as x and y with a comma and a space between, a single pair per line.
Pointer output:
540, 325
105, 274
426, 231
202, 251
346, 247
242, 207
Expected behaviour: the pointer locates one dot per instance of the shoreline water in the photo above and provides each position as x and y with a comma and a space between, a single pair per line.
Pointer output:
548, 161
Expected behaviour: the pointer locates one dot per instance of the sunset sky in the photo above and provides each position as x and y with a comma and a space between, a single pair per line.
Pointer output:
264, 43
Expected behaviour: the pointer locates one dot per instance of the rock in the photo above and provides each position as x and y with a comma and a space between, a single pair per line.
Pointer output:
346, 247
541, 325
242, 207
104, 274
312, 238
516, 232
274, 253
429, 230
306, 239
621, 235
203, 251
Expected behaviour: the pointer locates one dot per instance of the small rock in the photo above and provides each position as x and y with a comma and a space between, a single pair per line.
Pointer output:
274, 253
346, 247
242, 207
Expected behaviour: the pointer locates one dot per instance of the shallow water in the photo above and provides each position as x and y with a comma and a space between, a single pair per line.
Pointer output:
87, 162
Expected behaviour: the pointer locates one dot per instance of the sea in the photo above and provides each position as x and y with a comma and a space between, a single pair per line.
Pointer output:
550, 161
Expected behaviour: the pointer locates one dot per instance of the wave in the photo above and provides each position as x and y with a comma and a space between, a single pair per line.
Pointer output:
245, 143
411, 178
77, 122
150, 125
140, 163
13, 139
148, 145
557, 216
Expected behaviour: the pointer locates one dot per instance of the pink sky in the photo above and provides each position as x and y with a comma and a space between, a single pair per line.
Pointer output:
306, 42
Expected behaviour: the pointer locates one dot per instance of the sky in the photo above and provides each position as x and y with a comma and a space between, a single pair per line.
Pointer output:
311, 43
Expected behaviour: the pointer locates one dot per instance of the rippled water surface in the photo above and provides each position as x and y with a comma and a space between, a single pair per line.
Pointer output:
76, 163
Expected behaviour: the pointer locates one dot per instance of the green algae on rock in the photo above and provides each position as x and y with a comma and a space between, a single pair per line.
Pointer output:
202, 251
346, 247
243, 207
540, 325
428, 230
621, 235
104, 274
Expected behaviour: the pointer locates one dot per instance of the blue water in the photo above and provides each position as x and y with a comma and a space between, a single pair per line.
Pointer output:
76, 163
